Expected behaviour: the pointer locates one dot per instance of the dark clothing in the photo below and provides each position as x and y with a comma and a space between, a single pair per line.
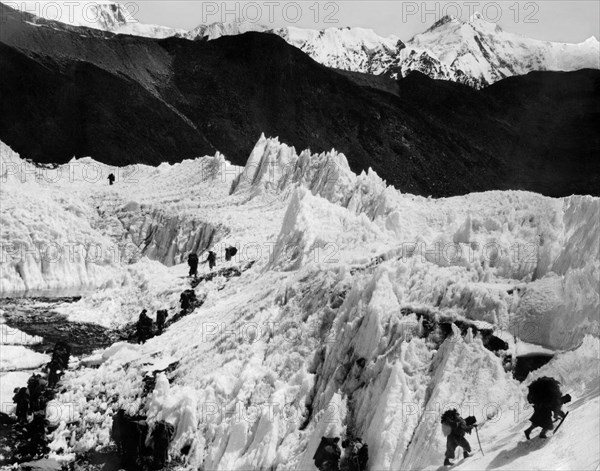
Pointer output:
21, 398
53, 374
455, 440
161, 317
36, 385
144, 327
230, 253
129, 434
458, 427
542, 417
161, 437
111, 179
546, 397
188, 299
193, 264
356, 456
212, 260
327, 456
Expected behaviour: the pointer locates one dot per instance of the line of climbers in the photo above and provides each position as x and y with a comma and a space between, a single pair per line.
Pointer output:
211, 259
329, 457
144, 328
544, 394
137, 444
32, 399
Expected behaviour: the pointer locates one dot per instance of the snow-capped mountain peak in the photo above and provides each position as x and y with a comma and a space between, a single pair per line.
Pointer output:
103, 15
229, 28
476, 52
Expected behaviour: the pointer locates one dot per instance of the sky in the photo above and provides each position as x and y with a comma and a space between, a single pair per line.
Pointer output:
553, 20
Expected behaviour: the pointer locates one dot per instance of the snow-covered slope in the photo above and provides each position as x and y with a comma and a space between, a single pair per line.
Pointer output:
103, 15
475, 52
479, 53
218, 29
346, 269
355, 49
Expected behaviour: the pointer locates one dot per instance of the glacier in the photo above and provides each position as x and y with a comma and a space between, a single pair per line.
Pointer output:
346, 268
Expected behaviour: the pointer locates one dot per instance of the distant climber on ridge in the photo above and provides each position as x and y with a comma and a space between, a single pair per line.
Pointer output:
547, 400
454, 428
193, 263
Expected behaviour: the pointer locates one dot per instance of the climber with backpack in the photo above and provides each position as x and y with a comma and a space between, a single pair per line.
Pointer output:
193, 264
356, 455
547, 400
454, 427
327, 456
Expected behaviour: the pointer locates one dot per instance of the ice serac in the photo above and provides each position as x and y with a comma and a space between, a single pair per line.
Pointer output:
275, 169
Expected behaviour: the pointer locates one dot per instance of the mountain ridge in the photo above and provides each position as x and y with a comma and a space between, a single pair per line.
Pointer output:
474, 52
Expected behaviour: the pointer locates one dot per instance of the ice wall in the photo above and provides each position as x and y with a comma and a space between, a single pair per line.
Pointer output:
64, 227
46, 236
167, 238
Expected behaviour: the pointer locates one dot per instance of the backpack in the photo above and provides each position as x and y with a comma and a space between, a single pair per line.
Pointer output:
545, 392
452, 418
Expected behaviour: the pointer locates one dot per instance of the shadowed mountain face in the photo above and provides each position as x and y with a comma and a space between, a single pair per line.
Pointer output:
68, 92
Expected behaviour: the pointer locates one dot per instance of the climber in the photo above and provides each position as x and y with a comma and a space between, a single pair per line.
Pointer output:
356, 455
193, 263
144, 327
53, 373
161, 438
161, 318
230, 252
327, 456
111, 179
129, 434
547, 400
61, 354
188, 299
36, 386
211, 259
454, 428
36, 431
21, 398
